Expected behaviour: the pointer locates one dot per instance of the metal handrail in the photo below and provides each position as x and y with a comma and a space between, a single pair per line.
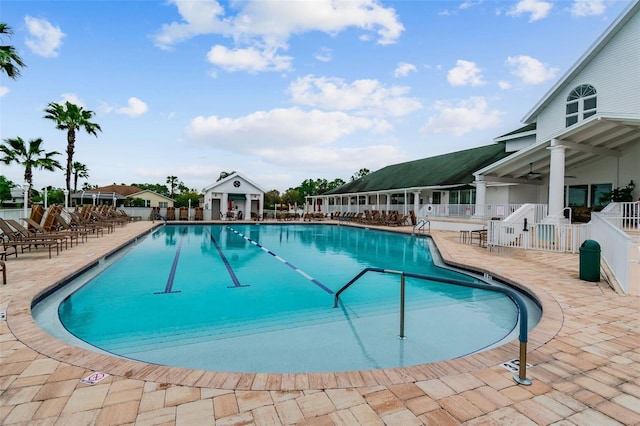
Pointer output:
521, 377
420, 225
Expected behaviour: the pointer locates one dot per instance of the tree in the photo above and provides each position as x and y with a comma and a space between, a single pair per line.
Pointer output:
336, 183
360, 174
10, 62
79, 171
71, 118
30, 157
271, 198
155, 187
172, 181
5, 188
182, 200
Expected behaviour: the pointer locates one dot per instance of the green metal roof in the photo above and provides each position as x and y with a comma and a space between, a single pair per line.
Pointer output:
455, 168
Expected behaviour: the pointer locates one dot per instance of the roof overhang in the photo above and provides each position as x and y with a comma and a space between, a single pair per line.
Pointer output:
586, 141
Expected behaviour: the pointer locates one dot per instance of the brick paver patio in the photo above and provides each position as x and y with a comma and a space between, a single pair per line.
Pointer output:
585, 355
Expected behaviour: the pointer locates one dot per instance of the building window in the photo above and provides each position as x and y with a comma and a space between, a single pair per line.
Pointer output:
436, 197
163, 204
582, 103
599, 193
147, 203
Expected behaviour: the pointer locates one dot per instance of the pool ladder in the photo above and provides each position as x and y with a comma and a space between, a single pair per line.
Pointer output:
521, 377
421, 224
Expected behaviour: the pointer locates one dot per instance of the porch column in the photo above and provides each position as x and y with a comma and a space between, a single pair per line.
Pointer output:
246, 214
224, 204
481, 199
416, 202
388, 201
261, 206
556, 179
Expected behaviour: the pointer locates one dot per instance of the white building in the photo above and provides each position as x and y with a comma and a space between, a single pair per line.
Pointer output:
234, 195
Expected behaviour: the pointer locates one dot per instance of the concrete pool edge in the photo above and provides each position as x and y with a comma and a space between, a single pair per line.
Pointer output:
26, 330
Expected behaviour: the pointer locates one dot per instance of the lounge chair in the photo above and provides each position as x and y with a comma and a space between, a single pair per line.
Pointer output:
199, 213
77, 222
171, 213
3, 266
12, 238
38, 231
184, 213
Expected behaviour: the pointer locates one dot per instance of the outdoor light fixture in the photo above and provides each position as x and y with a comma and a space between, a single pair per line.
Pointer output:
631, 184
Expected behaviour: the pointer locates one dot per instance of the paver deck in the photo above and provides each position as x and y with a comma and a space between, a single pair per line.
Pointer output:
585, 355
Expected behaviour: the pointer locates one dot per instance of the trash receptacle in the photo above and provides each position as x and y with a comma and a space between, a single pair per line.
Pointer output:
590, 261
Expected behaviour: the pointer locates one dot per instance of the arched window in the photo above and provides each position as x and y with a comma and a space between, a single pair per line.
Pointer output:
581, 104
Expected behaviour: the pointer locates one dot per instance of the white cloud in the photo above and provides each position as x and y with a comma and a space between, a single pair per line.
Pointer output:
403, 69
536, 8
261, 28
277, 130
468, 115
530, 70
135, 107
199, 17
504, 85
465, 73
469, 4
250, 59
72, 98
45, 39
364, 97
3, 90
324, 55
588, 7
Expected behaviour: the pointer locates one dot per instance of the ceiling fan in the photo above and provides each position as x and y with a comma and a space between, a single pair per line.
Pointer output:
531, 174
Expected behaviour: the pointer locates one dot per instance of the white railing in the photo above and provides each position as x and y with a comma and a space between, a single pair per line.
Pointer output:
537, 236
625, 216
615, 247
533, 213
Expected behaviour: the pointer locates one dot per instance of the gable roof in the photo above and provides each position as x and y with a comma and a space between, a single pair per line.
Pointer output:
453, 169
148, 191
233, 175
124, 190
584, 60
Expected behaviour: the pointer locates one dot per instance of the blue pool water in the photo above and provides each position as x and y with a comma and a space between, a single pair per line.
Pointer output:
246, 297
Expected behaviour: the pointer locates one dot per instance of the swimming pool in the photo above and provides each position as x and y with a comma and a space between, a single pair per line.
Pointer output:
259, 298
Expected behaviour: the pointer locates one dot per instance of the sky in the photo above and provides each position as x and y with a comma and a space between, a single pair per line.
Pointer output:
282, 90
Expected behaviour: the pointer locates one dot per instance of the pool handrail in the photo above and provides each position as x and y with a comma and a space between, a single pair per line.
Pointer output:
521, 377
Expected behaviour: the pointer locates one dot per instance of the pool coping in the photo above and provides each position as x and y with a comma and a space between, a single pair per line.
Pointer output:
23, 326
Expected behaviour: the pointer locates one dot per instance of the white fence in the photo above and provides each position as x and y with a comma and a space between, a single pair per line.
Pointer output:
537, 236
615, 246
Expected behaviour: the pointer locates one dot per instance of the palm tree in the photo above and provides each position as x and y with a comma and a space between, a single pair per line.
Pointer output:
9, 59
31, 156
71, 118
172, 181
79, 171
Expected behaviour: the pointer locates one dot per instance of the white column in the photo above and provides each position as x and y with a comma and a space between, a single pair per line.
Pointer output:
246, 214
224, 204
388, 201
481, 198
261, 206
556, 179
416, 202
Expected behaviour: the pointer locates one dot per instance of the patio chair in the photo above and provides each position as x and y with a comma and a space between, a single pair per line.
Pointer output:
40, 232
3, 266
171, 213
77, 222
199, 213
12, 238
184, 213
